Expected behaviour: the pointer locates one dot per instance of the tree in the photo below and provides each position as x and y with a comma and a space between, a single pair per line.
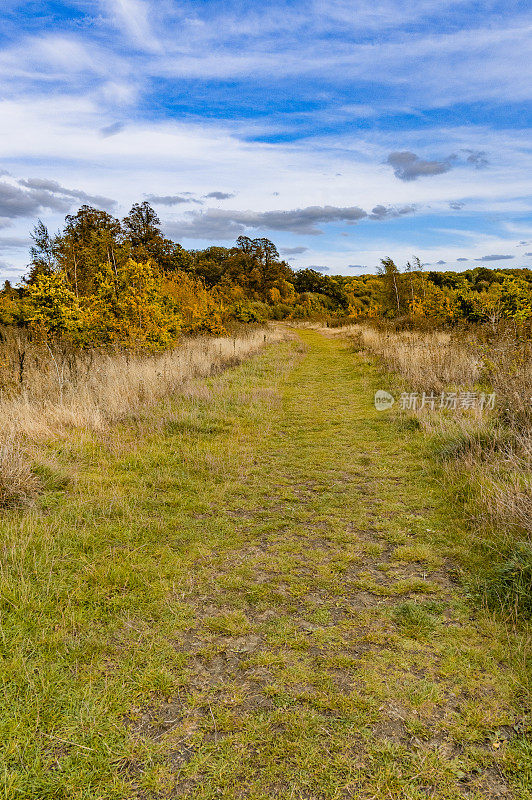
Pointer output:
142, 232
42, 252
142, 225
90, 238
54, 310
266, 251
309, 280
392, 283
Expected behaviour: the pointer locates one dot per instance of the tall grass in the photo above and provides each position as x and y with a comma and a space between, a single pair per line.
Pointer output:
427, 361
488, 453
48, 391
18, 482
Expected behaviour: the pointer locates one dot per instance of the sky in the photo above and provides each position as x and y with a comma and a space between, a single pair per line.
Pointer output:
345, 131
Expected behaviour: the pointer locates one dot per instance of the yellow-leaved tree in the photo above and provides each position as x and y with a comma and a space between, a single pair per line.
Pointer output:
129, 306
200, 310
53, 310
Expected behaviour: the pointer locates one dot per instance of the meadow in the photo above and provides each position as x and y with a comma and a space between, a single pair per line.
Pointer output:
225, 572
229, 575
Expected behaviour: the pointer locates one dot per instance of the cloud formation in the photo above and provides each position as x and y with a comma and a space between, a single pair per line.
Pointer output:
55, 188
478, 158
386, 212
219, 195
226, 224
112, 130
29, 197
200, 91
494, 258
172, 199
7, 242
16, 202
293, 251
407, 166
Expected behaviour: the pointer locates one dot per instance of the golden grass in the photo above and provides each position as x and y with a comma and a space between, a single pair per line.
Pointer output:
507, 504
46, 393
95, 389
17, 481
427, 361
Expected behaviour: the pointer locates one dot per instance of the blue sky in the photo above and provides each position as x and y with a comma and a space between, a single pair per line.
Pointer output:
344, 130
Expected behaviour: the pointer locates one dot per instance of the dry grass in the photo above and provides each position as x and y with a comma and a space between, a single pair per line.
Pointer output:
427, 361
507, 505
46, 393
95, 389
508, 367
487, 456
17, 481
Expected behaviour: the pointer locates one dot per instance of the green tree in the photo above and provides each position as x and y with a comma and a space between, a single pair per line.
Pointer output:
42, 253
393, 287
141, 229
90, 238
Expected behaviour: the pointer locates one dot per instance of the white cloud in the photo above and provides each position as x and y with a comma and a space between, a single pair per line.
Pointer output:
133, 18
76, 107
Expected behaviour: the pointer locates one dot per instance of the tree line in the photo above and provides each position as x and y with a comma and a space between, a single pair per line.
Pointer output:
102, 281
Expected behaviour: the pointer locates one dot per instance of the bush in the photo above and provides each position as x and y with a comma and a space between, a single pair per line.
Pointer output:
281, 311
246, 312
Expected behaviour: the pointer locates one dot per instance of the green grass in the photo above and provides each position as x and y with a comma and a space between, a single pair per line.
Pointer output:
240, 593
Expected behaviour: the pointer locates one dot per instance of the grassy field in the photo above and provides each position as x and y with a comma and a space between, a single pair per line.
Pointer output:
251, 591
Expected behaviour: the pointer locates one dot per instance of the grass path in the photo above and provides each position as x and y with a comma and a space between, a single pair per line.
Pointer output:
239, 594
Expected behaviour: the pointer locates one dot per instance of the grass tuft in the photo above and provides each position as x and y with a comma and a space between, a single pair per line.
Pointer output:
510, 584
18, 483
417, 620
478, 443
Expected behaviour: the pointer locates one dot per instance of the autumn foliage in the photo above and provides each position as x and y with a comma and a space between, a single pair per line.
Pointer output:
104, 282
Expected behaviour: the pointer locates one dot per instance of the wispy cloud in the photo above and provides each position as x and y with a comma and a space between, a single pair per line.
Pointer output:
133, 18
171, 199
494, 258
478, 158
112, 129
293, 251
